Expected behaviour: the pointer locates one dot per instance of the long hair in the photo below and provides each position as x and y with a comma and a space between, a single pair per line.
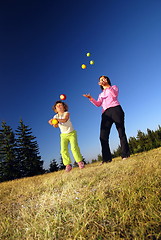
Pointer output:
108, 81
64, 105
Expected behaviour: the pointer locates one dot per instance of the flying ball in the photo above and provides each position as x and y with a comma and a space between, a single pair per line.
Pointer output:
63, 97
83, 66
54, 121
88, 54
91, 62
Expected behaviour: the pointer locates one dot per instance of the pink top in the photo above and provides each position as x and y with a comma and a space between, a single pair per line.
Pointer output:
107, 98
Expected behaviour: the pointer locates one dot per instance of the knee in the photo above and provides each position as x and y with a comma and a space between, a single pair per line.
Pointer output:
104, 141
74, 148
104, 138
122, 134
64, 151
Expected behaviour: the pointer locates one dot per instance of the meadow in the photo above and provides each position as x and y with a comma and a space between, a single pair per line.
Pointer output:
116, 201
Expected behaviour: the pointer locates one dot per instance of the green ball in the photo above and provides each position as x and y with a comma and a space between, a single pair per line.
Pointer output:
91, 62
88, 54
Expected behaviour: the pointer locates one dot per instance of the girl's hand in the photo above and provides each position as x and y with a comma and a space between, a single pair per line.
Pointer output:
54, 125
87, 96
50, 121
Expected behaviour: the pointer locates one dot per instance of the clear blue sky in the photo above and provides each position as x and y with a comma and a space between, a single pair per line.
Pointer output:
44, 43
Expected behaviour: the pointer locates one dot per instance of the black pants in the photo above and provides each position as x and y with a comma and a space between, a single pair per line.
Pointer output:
110, 116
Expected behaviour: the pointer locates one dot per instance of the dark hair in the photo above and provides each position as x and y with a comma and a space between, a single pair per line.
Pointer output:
108, 81
64, 105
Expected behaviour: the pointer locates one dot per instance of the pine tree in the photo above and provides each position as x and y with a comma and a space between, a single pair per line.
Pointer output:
53, 167
133, 144
9, 165
28, 152
151, 140
142, 141
83, 160
93, 160
117, 152
158, 136
61, 165
99, 158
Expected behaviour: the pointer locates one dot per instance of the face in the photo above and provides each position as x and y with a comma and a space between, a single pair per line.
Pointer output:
59, 107
102, 81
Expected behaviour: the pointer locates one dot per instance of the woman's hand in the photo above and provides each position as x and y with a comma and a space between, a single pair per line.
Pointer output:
87, 96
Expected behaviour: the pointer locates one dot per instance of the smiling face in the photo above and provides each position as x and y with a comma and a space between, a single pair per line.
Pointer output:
104, 82
59, 107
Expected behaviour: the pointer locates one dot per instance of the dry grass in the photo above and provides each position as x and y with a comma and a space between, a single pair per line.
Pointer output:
119, 200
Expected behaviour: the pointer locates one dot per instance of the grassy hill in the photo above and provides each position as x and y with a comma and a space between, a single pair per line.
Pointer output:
118, 200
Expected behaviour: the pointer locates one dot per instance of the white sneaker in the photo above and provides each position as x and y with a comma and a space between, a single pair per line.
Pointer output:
125, 158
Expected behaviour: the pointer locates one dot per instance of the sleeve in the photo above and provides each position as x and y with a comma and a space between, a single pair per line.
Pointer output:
97, 102
114, 90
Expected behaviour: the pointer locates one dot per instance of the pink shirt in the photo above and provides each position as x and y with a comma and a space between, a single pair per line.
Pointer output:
107, 98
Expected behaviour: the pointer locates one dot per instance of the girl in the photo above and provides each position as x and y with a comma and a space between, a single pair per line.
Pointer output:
68, 134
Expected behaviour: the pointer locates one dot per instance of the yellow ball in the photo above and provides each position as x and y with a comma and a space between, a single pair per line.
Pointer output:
54, 121
91, 62
84, 66
88, 54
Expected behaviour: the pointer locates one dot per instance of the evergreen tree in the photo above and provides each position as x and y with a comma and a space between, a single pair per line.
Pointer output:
94, 160
28, 152
133, 143
61, 165
9, 166
1, 145
151, 143
117, 152
53, 167
83, 160
142, 141
158, 136
99, 158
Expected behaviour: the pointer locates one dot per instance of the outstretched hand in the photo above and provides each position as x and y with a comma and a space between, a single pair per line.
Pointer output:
87, 96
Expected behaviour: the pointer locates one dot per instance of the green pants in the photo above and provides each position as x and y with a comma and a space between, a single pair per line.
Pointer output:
65, 139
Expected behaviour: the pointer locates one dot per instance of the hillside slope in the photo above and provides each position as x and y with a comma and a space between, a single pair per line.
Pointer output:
118, 200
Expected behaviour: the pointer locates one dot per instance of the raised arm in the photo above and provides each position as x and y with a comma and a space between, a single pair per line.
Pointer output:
87, 96
96, 103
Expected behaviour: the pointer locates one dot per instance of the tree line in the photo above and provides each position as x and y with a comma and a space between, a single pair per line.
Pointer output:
20, 157
142, 142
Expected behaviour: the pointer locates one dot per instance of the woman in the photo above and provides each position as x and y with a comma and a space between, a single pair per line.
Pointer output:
111, 113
